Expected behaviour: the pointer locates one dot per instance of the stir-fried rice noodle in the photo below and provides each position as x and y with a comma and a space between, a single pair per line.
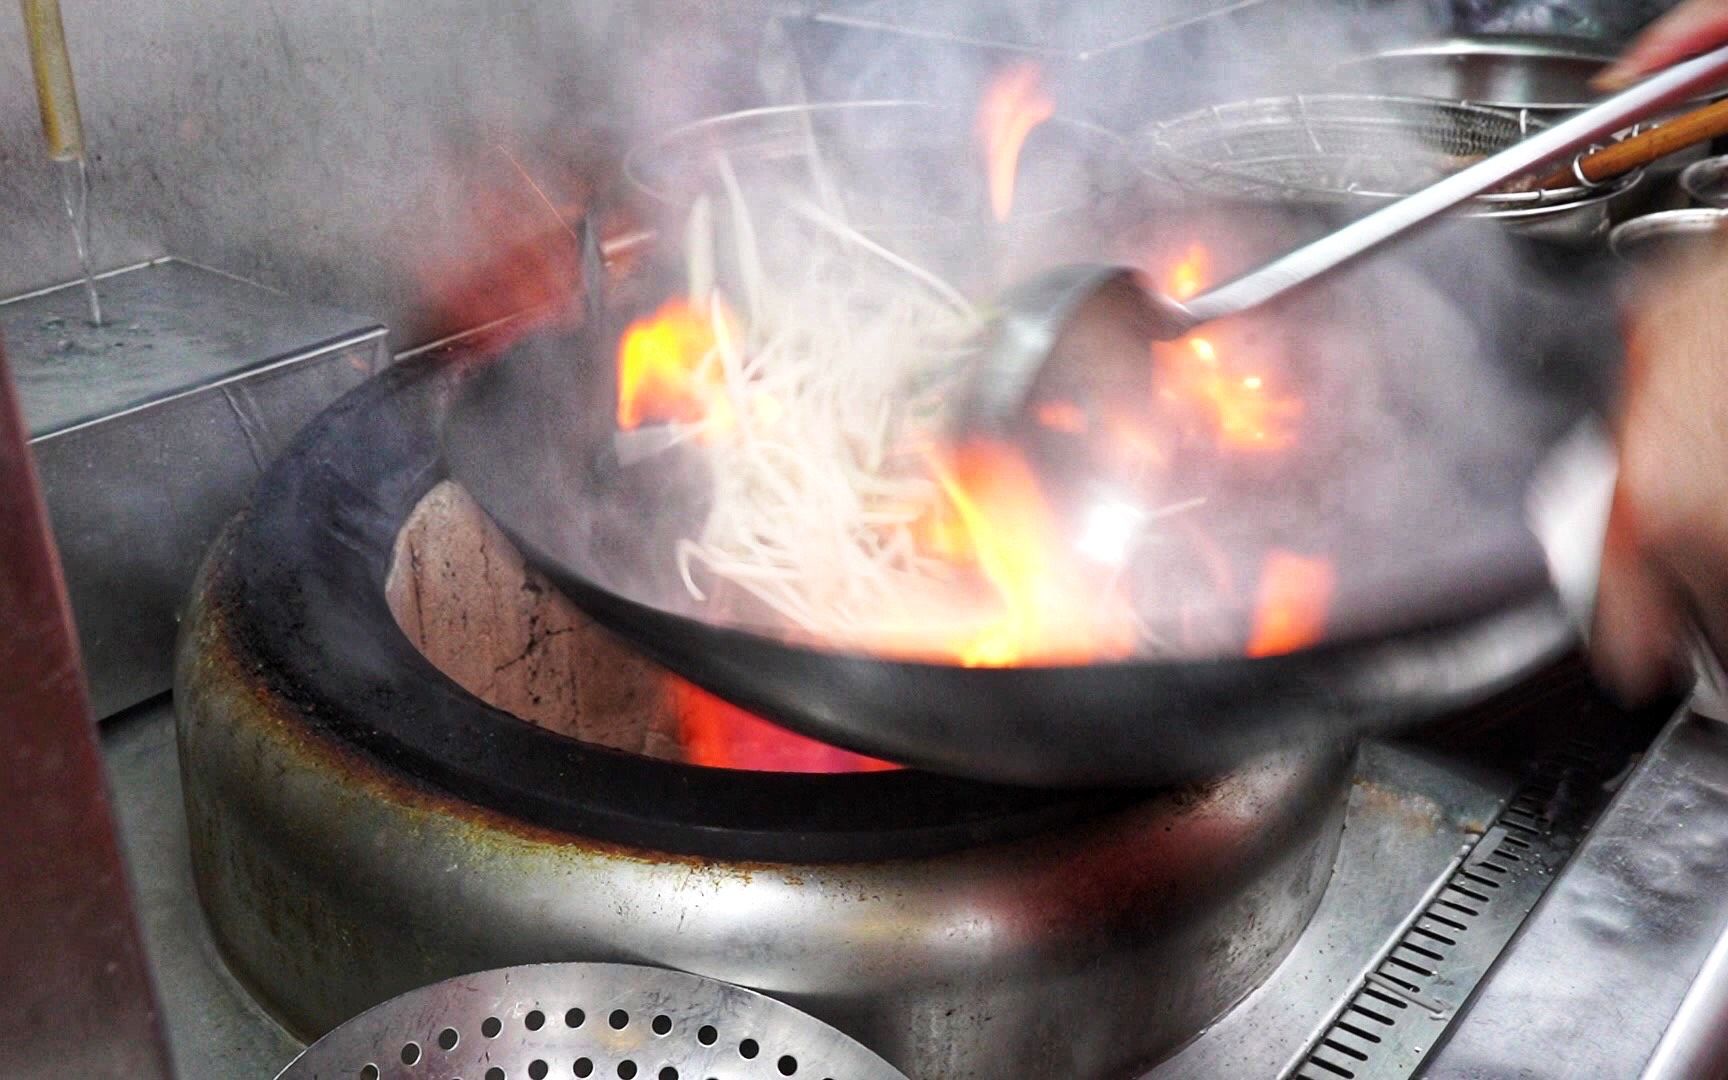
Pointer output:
830, 371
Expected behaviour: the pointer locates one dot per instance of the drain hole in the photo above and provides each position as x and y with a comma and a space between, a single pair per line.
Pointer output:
787, 1065
494, 1073
661, 1025
1342, 1049
1360, 1033
534, 1021
619, 1019
1331, 1068
491, 1026
668, 1073
370, 1072
410, 1053
748, 1049
1371, 1014
707, 1035
574, 1018
626, 1070
584, 1067
537, 1070
447, 1039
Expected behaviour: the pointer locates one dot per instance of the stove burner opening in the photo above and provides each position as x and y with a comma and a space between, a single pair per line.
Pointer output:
469, 603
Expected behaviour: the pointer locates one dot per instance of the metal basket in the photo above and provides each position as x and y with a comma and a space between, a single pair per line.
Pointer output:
1337, 148
586, 1020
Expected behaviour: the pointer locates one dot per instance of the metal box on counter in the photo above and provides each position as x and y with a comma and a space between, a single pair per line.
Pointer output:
150, 430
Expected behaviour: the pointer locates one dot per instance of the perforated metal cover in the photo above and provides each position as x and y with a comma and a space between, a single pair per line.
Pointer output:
586, 1020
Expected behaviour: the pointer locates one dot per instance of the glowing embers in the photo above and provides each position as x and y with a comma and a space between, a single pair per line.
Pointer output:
1014, 104
719, 735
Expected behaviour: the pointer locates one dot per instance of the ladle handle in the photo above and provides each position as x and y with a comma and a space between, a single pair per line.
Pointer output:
1637, 151
1679, 83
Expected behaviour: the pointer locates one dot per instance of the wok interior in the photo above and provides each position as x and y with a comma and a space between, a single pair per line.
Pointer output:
1432, 382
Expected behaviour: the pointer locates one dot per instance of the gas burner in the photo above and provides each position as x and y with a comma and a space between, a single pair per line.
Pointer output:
361, 825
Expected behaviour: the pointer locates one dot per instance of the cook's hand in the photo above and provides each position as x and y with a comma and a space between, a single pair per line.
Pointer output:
1666, 559
1689, 29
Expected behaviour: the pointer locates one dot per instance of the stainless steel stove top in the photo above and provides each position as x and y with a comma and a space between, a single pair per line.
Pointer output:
1478, 923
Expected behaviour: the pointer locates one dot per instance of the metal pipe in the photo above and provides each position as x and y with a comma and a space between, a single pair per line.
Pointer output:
55, 94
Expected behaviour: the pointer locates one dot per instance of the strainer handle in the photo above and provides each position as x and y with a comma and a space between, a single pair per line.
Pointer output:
1677, 84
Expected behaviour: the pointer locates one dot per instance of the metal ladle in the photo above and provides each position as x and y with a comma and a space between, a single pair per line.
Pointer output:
1096, 316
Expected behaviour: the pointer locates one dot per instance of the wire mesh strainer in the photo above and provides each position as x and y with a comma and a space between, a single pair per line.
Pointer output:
585, 1020
1338, 148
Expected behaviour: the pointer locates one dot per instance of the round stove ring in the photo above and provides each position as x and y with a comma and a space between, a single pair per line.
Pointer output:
361, 826
306, 580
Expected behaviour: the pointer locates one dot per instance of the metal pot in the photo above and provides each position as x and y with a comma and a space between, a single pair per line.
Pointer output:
1668, 234
1706, 182
1548, 76
909, 174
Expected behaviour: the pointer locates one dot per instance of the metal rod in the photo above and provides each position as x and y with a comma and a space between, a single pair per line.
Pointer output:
55, 94
1677, 84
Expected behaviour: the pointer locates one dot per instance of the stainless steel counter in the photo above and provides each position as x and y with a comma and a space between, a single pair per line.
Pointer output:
150, 431
215, 1032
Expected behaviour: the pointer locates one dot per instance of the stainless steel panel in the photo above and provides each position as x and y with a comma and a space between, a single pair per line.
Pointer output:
1604, 964
150, 432
75, 998
1411, 818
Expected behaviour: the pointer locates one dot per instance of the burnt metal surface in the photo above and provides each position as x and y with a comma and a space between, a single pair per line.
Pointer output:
306, 567
1624, 937
75, 997
150, 430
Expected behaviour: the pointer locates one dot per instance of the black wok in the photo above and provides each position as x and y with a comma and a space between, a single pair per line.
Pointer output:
1444, 612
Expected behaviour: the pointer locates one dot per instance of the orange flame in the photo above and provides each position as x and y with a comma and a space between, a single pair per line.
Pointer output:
723, 736
1013, 105
1290, 609
1046, 612
663, 371
1191, 274
1237, 400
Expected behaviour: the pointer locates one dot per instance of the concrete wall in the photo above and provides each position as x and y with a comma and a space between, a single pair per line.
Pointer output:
343, 150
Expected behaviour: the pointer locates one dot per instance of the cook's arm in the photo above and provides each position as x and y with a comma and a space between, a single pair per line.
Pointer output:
1665, 563
1689, 29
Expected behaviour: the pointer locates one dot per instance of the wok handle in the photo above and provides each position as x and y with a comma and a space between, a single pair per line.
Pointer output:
1637, 151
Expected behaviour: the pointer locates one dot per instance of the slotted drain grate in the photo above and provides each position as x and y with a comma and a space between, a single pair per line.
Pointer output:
1402, 1006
